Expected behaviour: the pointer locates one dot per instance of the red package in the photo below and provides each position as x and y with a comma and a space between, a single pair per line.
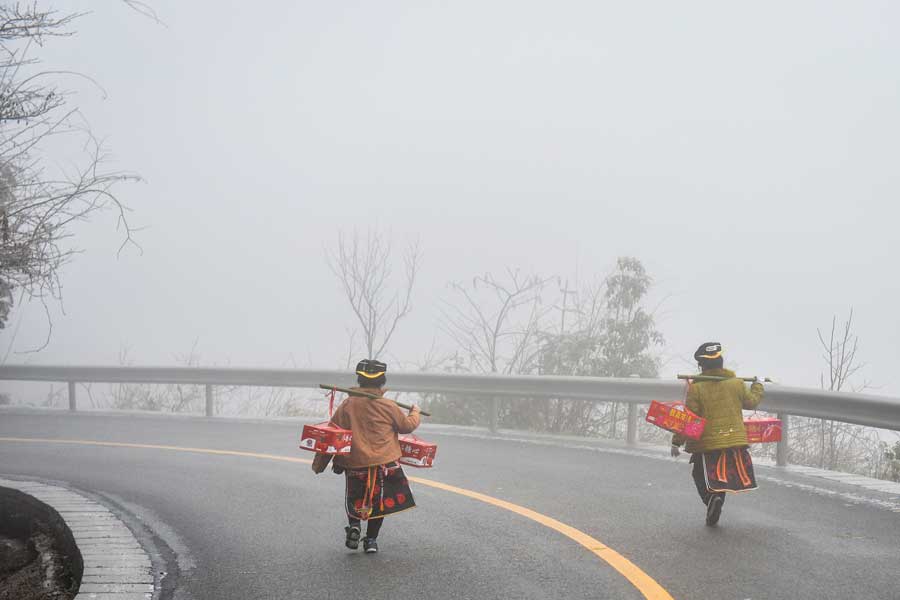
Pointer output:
675, 417
416, 452
326, 438
761, 430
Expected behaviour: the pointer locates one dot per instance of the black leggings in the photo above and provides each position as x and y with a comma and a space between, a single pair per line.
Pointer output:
700, 480
372, 529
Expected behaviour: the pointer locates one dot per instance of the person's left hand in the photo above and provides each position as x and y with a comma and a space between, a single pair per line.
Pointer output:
320, 462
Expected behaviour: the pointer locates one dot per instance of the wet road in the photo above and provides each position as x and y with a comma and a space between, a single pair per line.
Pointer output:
249, 527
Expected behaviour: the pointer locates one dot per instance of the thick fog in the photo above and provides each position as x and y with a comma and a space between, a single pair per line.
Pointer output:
746, 154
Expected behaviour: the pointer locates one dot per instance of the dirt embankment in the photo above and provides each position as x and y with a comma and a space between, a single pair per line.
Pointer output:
38, 556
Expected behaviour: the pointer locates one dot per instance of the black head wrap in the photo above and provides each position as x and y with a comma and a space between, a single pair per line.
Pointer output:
709, 356
371, 373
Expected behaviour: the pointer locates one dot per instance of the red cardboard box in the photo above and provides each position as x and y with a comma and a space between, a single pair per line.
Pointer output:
326, 438
675, 417
762, 430
416, 452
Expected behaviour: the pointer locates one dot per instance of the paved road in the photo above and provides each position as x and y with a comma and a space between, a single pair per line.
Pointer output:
251, 528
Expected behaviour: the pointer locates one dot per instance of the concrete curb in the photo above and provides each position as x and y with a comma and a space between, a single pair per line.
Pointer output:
116, 567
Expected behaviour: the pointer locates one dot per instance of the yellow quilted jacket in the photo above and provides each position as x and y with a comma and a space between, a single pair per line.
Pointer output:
720, 403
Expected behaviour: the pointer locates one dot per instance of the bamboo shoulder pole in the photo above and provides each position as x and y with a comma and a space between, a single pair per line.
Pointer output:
369, 395
720, 378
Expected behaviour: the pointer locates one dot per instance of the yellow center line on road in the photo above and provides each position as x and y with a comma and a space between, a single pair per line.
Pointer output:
645, 584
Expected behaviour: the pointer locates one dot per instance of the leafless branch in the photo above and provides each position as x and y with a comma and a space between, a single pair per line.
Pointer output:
495, 322
363, 264
40, 202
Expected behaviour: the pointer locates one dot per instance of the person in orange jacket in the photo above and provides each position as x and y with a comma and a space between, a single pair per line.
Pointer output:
375, 483
720, 457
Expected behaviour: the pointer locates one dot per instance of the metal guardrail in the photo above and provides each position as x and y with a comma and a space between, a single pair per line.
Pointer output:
860, 409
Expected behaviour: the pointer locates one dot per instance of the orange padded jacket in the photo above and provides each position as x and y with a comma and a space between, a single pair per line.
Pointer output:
375, 424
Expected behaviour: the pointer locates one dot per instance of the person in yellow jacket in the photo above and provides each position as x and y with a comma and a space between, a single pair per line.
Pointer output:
720, 457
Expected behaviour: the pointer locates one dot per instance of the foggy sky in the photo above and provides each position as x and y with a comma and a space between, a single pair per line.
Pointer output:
747, 154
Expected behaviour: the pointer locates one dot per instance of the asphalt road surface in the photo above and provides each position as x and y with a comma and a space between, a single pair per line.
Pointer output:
240, 527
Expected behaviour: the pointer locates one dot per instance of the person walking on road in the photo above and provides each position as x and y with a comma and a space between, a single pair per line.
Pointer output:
375, 483
720, 457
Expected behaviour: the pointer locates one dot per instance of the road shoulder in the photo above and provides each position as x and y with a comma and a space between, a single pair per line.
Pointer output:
116, 567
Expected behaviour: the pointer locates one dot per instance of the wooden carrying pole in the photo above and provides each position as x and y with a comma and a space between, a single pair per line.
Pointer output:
369, 395
719, 378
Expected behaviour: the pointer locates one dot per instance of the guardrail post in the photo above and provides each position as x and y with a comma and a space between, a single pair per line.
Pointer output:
613, 419
73, 405
781, 451
631, 431
495, 414
210, 409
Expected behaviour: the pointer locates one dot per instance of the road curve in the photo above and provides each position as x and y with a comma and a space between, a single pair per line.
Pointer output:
250, 527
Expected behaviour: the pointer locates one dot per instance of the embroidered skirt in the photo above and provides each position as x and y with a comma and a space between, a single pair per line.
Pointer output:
375, 492
729, 470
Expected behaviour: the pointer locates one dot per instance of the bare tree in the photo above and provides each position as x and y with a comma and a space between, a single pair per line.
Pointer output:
270, 401
840, 440
839, 354
496, 322
39, 203
171, 397
363, 264
832, 444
